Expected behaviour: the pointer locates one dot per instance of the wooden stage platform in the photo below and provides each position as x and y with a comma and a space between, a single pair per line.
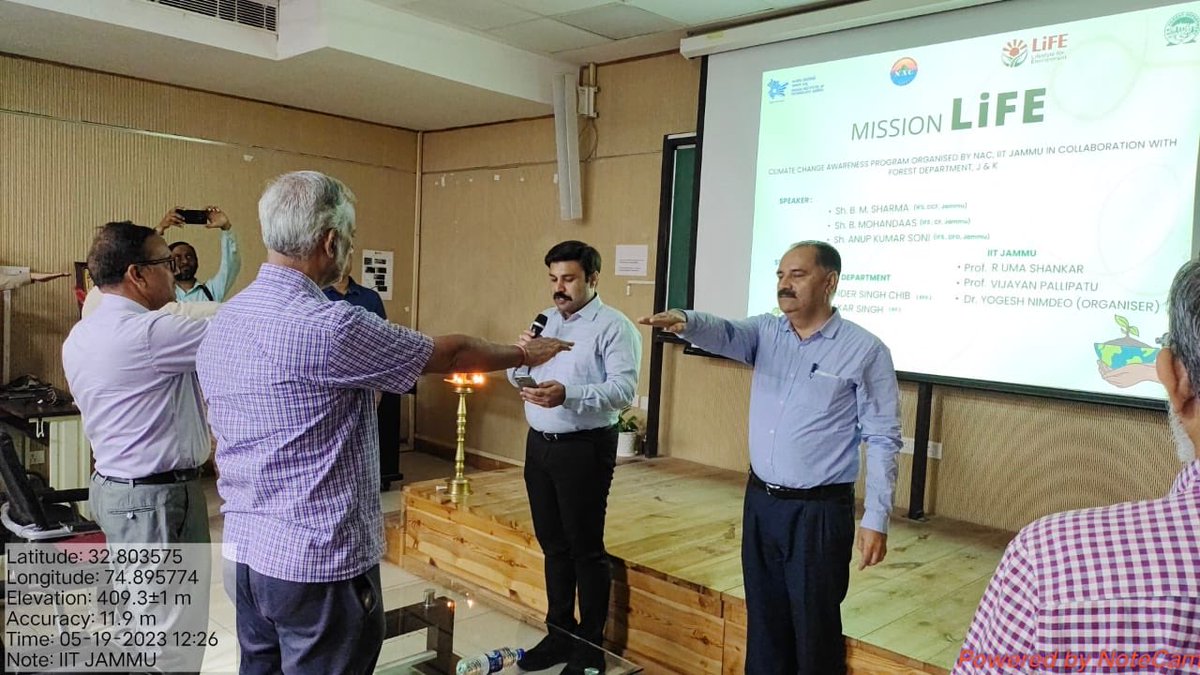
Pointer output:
674, 533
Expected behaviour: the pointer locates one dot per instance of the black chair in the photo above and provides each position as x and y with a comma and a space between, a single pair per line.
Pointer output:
36, 512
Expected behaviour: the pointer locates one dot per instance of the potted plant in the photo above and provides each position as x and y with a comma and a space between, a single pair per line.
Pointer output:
628, 428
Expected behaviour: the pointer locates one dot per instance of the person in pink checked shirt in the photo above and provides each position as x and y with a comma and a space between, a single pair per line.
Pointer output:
1113, 589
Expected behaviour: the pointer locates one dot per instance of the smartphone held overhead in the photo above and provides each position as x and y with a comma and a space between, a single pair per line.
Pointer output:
193, 216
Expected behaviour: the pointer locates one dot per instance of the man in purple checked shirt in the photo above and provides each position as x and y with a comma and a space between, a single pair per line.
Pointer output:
288, 377
1112, 589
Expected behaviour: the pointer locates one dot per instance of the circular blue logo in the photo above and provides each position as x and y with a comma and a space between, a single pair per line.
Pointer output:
904, 71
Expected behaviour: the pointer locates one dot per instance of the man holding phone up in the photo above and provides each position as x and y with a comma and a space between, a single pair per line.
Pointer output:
216, 289
571, 404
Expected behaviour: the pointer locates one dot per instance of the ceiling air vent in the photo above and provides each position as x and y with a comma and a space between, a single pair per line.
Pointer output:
257, 13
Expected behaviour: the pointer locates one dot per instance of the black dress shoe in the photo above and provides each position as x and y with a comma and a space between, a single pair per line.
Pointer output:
584, 656
551, 651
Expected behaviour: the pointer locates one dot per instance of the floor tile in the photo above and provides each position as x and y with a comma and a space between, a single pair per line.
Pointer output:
493, 630
223, 657
391, 575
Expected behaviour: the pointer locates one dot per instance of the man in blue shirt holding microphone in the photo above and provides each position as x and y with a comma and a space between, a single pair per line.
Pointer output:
571, 450
822, 386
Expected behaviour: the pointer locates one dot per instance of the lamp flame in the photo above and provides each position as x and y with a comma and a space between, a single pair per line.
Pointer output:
464, 379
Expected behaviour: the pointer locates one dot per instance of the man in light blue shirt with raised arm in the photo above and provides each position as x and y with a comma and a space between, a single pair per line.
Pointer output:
216, 289
822, 386
571, 450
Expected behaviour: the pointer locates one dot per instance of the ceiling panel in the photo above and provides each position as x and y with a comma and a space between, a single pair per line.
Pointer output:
780, 4
695, 12
477, 14
393, 4
657, 43
618, 21
547, 35
552, 7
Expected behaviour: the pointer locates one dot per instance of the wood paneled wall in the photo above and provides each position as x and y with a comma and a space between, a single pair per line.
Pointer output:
490, 212
81, 148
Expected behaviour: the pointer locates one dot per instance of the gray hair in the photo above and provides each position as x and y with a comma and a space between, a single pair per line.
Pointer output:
827, 256
1183, 333
298, 208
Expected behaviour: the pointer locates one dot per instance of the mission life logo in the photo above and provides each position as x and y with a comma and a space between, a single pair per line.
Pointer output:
904, 71
1016, 52
1182, 29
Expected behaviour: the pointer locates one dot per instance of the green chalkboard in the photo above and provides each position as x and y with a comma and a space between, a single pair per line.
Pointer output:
683, 226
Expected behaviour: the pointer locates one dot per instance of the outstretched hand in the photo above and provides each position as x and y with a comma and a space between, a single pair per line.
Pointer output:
541, 350
38, 277
672, 320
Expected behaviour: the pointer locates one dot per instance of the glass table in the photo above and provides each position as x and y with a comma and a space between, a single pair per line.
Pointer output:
405, 651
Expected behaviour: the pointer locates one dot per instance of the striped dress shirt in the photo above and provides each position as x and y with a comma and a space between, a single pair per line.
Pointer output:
814, 401
599, 375
1103, 590
288, 377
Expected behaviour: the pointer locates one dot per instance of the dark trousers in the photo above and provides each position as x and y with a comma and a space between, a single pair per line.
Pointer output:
796, 567
389, 411
568, 482
333, 628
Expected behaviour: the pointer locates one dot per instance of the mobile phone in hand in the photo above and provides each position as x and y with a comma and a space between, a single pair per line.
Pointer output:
193, 216
525, 381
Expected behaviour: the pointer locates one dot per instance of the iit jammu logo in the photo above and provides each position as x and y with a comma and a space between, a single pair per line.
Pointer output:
1182, 29
776, 89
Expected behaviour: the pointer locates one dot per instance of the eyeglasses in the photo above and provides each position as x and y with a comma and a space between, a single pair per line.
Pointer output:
169, 260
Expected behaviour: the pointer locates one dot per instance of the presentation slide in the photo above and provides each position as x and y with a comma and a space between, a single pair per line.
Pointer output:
1009, 208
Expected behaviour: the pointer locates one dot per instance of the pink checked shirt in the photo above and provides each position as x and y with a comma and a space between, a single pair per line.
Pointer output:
1104, 590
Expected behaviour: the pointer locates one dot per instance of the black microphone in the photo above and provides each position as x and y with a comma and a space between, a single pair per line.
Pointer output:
538, 325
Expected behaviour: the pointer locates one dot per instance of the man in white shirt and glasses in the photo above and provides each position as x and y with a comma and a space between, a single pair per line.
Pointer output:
132, 370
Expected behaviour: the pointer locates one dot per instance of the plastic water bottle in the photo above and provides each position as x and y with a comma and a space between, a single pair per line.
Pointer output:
491, 662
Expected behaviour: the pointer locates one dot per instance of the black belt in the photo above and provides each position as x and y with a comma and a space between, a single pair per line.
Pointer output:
164, 478
569, 435
820, 493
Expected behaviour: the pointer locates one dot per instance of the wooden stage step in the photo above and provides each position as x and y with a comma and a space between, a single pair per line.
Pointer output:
674, 532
